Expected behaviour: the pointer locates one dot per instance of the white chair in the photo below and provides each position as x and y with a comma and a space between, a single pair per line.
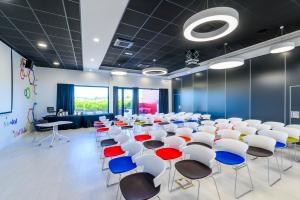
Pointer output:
274, 124
233, 153
229, 134
205, 116
185, 133
221, 121
208, 123
245, 130
157, 138
296, 126
192, 125
251, 122
208, 129
261, 127
235, 119
201, 163
221, 126
261, 146
202, 138
153, 168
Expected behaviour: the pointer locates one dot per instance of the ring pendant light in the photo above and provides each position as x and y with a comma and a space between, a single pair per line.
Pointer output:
228, 15
283, 46
227, 63
118, 72
155, 71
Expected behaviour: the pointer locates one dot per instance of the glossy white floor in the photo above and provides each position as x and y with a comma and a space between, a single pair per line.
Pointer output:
71, 171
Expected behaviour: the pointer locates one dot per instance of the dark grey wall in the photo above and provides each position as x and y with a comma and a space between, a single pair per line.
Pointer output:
259, 89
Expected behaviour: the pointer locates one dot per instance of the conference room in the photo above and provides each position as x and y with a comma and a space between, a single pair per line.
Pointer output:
149, 99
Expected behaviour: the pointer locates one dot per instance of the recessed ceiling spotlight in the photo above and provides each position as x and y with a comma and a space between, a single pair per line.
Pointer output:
155, 71
55, 63
128, 53
96, 40
42, 45
118, 72
154, 60
225, 14
92, 59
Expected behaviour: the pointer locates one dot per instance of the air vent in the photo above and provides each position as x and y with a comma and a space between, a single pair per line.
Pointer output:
143, 65
123, 43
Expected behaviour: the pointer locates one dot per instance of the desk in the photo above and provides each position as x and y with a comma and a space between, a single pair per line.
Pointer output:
79, 121
55, 135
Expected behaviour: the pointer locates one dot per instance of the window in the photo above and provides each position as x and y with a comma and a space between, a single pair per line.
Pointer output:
91, 100
148, 101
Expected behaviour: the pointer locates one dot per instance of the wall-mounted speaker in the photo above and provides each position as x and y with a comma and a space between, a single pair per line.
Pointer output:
29, 64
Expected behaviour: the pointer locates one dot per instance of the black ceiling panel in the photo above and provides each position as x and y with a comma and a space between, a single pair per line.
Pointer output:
25, 23
162, 34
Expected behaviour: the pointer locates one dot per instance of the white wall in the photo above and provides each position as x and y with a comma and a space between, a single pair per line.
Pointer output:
49, 77
9, 133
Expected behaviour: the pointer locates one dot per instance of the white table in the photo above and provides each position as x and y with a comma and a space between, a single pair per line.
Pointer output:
55, 135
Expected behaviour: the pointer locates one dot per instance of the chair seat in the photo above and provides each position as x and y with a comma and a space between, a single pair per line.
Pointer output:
168, 153
101, 130
153, 144
279, 145
99, 126
107, 142
163, 123
186, 139
121, 165
229, 158
178, 122
192, 120
292, 140
199, 143
157, 121
145, 125
192, 169
169, 133
138, 186
126, 127
113, 151
142, 137
259, 152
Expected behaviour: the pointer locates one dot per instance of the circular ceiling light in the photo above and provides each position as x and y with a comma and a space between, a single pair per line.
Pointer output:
118, 72
155, 71
96, 39
282, 47
227, 63
228, 15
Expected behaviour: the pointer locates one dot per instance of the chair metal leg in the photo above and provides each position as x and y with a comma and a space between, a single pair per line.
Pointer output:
213, 178
198, 189
279, 170
290, 157
170, 168
236, 178
103, 163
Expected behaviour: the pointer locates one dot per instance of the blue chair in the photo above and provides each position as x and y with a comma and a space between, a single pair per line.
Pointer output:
233, 153
123, 164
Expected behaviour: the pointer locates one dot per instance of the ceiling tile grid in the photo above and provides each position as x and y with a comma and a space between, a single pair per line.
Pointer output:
25, 23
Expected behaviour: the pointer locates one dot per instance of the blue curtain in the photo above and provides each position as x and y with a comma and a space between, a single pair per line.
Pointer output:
135, 101
163, 100
65, 98
115, 100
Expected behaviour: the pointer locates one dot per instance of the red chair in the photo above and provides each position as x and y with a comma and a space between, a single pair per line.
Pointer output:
100, 132
184, 133
171, 151
145, 136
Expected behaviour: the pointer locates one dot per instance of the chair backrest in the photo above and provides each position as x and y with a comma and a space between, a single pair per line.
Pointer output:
208, 122
260, 127
246, 130
296, 126
292, 132
170, 127
203, 137
122, 139
221, 126
184, 131
232, 146
274, 124
239, 124
192, 125
206, 116
102, 118
222, 120
251, 122
114, 130
277, 135
235, 119
158, 134
230, 134
133, 148
208, 129
174, 142
147, 129
154, 165
261, 141
206, 157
